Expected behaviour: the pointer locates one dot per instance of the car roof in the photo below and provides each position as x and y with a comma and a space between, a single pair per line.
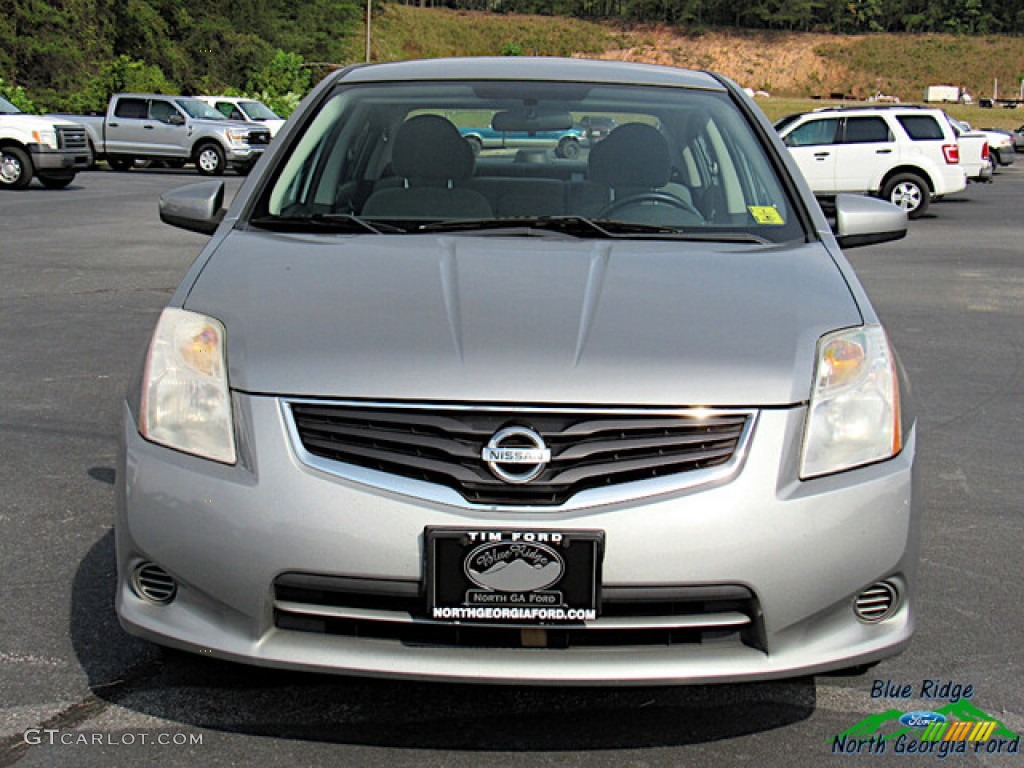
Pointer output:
530, 68
167, 96
875, 108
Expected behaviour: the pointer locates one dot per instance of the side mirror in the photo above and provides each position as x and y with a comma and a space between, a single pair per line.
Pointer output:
175, 119
862, 220
196, 207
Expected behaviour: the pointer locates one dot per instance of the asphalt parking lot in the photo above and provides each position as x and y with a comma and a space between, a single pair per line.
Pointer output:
84, 273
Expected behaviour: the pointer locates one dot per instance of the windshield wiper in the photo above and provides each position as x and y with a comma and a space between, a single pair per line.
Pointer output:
333, 222
580, 226
577, 226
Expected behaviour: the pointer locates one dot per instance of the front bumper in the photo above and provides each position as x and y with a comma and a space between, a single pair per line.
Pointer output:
244, 156
47, 159
803, 549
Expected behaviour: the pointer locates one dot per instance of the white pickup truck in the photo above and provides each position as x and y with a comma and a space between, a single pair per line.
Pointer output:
46, 148
975, 152
174, 129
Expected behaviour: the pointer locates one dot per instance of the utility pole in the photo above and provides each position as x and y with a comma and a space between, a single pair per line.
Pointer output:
369, 10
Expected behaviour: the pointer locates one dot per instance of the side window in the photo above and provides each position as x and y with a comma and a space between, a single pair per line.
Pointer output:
134, 109
161, 110
866, 130
814, 133
921, 127
229, 111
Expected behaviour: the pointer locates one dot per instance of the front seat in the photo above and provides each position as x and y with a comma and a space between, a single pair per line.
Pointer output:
431, 160
627, 174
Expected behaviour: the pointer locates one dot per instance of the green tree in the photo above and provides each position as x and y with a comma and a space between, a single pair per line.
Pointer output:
17, 96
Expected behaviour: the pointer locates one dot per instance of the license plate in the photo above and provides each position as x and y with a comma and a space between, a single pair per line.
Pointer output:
513, 576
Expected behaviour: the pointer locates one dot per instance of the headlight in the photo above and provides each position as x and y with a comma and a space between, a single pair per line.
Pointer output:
854, 414
238, 136
47, 137
186, 404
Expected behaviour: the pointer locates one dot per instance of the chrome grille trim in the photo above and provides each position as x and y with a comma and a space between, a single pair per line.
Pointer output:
723, 619
386, 609
589, 497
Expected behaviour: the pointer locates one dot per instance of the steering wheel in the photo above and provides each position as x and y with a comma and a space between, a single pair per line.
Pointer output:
648, 197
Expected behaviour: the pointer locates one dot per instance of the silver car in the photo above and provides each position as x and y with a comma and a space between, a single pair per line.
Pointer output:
625, 418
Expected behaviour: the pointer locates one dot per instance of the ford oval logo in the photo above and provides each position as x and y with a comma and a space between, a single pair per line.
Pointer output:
922, 719
514, 566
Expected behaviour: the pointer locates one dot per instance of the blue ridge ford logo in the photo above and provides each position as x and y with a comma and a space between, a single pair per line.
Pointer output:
512, 447
514, 566
921, 719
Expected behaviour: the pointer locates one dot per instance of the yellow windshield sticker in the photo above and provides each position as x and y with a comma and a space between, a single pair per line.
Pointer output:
765, 214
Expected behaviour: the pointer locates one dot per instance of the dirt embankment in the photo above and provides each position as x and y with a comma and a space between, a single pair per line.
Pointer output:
781, 63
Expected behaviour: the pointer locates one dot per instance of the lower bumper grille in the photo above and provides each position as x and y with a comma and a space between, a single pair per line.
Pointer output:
630, 616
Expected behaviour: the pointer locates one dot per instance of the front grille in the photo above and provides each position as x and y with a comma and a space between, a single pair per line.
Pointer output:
72, 137
589, 449
259, 138
629, 616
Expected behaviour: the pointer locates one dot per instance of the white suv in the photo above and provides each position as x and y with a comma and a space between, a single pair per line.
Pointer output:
906, 155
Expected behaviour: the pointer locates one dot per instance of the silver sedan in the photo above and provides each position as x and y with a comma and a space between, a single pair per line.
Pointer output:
626, 418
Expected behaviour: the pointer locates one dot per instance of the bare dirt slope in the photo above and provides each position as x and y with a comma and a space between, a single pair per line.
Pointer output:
773, 62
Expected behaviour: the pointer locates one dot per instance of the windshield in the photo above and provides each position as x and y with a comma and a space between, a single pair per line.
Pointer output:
198, 109
431, 156
257, 110
6, 108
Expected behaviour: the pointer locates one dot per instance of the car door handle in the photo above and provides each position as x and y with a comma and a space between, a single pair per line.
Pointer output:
883, 151
821, 155
112, 125
148, 127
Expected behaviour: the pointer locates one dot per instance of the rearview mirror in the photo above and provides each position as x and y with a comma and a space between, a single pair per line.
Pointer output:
531, 122
196, 207
862, 220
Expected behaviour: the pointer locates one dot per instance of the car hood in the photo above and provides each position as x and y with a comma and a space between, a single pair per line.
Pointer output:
209, 122
271, 125
522, 319
27, 122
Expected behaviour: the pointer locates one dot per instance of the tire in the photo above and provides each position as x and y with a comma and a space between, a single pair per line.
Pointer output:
908, 191
210, 159
120, 163
568, 147
15, 168
56, 182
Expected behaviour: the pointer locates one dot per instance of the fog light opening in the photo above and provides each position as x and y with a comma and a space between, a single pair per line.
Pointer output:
877, 603
153, 584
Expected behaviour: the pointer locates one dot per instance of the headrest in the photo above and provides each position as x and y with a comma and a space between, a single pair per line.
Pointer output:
430, 147
633, 155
